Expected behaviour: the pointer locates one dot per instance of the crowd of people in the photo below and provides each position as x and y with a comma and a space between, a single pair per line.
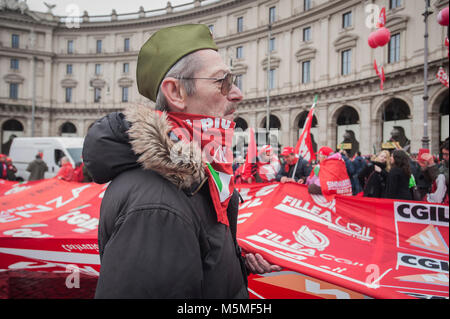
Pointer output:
38, 167
389, 174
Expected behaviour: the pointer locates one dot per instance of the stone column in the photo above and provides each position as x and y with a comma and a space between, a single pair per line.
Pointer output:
365, 142
322, 122
417, 120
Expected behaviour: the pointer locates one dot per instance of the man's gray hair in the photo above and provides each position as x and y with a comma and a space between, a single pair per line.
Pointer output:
186, 67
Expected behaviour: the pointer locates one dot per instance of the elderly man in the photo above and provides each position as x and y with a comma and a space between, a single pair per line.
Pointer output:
168, 218
293, 162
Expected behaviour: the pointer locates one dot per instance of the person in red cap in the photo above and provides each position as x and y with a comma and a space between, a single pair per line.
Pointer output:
286, 172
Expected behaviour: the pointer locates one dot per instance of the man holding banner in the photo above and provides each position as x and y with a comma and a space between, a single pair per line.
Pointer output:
295, 169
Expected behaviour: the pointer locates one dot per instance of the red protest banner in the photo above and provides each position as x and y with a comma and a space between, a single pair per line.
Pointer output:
346, 247
379, 248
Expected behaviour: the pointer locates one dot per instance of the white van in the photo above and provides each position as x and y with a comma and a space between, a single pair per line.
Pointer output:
24, 150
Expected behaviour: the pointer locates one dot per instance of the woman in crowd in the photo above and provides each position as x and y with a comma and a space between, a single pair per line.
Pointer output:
373, 177
397, 186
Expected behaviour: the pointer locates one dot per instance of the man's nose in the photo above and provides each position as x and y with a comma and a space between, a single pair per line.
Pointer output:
235, 94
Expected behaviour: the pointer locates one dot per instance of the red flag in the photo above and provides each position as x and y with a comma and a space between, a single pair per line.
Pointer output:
304, 144
380, 73
250, 158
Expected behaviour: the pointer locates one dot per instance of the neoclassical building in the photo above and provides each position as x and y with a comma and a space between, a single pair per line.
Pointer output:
60, 74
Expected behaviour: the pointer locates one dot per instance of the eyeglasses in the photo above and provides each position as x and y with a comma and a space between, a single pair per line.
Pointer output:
227, 82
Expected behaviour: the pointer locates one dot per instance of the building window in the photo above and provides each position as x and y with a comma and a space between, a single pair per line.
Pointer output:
346, 62
14, 64
68, 95
14, 91
98, 69
99, 46
306, 5
124, 94
271, 14
394, 48
97, 95
15, 41
238, 82
68, 68
272, 44
306, 72
211, 28
126, 67
307, 34
347, 20
239, 52
240, 24
394, 4
69, 46
271, 79
126, 45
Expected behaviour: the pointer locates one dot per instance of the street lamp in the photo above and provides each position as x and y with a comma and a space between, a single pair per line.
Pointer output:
268, 82
425, 138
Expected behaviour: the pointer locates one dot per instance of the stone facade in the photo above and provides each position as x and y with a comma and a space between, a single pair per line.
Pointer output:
319, 47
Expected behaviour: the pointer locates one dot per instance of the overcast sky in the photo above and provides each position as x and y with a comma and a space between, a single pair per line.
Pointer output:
101, 7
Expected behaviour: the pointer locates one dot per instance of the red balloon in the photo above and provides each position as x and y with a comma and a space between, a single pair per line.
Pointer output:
371, 41
382, 36
443, 17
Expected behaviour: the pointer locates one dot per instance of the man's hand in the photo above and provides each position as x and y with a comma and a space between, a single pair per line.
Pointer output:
285, 179
258, 265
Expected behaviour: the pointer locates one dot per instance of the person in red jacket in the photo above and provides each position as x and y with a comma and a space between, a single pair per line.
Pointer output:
66, 170
78, 173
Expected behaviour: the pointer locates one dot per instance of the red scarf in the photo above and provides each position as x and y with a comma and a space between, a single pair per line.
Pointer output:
214, 136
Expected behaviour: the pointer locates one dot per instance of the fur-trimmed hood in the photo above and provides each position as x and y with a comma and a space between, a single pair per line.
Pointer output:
140, 137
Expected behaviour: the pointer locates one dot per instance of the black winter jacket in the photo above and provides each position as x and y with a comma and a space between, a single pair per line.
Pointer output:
158, 232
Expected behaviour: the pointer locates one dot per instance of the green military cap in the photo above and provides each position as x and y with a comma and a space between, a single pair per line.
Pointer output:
163, 49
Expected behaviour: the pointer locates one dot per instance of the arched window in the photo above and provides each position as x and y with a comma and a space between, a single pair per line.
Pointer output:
68, 129
444, 118
348, 130
396, 116
10, 130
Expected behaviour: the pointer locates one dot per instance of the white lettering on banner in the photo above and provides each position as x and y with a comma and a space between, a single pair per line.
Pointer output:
80, 247
296, 259
26, 233
242, 218
264, 191
16, 189
421, 262
297, 207
422, 213
40, 209
75, 192
84, 221
275, 240
8, 215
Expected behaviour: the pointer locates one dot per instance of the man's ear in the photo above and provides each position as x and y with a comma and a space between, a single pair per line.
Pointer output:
174, 93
